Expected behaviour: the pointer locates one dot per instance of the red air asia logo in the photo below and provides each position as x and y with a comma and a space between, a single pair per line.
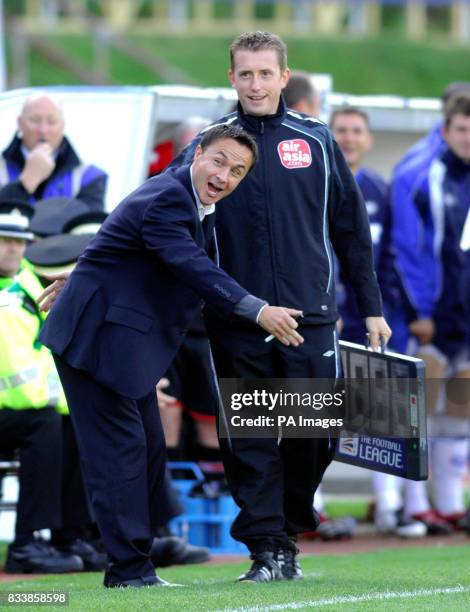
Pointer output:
295, 153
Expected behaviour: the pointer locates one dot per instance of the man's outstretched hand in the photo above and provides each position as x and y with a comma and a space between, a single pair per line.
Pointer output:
51, 293
281, 323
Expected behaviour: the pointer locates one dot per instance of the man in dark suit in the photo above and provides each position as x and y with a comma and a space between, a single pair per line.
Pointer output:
120, 319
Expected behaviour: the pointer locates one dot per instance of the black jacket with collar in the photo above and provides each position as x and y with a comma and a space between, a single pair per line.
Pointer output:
277, 232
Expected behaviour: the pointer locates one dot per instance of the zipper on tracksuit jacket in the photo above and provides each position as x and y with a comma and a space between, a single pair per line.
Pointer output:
269, 227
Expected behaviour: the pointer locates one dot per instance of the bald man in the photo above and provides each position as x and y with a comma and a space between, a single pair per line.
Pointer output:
40, 163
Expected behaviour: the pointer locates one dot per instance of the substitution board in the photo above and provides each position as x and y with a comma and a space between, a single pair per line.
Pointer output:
385, 412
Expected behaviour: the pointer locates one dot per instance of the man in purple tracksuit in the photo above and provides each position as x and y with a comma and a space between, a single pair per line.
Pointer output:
350, 126
430, 199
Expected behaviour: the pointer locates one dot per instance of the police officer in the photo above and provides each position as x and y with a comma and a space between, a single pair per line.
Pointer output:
29, 392
50, 255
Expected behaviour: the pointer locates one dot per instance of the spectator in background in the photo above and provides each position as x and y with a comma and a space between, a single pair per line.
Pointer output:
430, 204
186, 131
426, 148
350, 127
191, 383
301, 95
29, 392
414, 169
171, 139
40, 162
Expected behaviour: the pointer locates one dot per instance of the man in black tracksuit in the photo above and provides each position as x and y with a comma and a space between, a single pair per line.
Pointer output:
276, 236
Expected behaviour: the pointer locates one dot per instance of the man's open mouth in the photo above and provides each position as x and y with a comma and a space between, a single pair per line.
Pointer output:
213, 189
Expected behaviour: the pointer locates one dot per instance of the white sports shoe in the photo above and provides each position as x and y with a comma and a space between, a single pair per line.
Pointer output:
393, 522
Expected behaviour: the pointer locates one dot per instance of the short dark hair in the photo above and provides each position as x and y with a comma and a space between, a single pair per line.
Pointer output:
224, 130
453, 89
457, 105
259, 41
349, 110
299, 88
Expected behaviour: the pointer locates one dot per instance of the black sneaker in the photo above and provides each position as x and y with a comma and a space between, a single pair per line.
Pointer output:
336, 529
93, 560
40, 558
289, 563
143, 582
263, 569
172, 550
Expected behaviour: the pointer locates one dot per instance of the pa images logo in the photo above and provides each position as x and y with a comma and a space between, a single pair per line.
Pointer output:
295, 153
349, 446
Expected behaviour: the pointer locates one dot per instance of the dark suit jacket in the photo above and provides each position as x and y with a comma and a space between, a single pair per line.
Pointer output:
125, 309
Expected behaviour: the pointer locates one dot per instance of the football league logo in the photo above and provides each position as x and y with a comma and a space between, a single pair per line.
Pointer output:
295, 153
349, 446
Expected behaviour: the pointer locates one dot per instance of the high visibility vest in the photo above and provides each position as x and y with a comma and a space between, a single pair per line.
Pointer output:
28, 378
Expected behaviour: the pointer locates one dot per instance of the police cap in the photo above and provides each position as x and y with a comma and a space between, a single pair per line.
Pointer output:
56, 254
60, 253
52, 214
15, 219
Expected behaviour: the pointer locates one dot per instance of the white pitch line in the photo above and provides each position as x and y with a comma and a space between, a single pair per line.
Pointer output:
348, 599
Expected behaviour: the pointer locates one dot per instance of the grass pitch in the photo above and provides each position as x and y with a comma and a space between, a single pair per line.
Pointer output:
407, 579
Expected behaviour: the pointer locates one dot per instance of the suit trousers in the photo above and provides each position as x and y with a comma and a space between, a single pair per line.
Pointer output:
123, 457
274, 483
76, 516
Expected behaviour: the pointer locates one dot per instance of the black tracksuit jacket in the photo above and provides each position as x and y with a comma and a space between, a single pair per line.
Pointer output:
277, 231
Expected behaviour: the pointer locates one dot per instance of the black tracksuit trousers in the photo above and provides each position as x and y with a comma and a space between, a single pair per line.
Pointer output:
274, 483
36, 432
